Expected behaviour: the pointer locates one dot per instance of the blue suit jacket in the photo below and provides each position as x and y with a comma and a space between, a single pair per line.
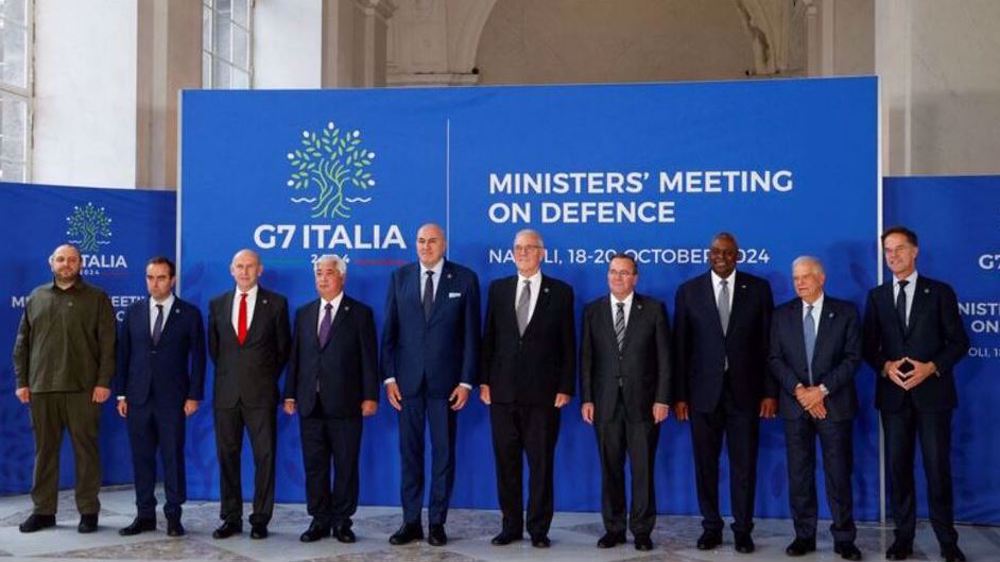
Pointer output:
835, 359
441, 351
173, 370
701, 349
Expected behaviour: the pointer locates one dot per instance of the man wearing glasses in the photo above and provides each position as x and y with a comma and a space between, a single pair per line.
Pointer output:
529, 355
625, 389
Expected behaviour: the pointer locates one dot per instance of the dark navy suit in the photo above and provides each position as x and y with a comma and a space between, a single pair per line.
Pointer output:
429, 357
721, 400
328, 384
836, 358
156, 380
934, 333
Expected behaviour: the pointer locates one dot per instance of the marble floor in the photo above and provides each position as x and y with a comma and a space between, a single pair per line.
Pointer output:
573, 537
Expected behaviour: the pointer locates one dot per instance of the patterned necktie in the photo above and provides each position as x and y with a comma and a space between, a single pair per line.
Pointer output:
324, 325
523, 306
723, 305
241, 321
809, 331
901, 303
158, 324
620, 324
428, 300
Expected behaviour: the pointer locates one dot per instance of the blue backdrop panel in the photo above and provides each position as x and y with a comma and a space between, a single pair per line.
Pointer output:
652, 169
956, 221
117, 231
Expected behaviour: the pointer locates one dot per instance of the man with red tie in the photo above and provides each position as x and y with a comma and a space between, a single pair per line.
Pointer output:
249, 340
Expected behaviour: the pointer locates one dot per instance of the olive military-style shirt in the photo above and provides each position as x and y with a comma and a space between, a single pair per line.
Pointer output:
66, 339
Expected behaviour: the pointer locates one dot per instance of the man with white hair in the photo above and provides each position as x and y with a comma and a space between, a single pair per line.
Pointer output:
815, 352
332, 383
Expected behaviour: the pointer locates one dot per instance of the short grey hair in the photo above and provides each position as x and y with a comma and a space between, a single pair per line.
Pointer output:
530, 232
811, 260
338, 262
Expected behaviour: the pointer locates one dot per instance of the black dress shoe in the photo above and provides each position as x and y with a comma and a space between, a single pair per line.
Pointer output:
436, 536
951, 553
88, 523
540, 541
174, 527
506, 537
258, 531
643, 543
137, 526
611, 540
314, 533
227, 530
744, 544
800, 547
847, 550
899, 551
344, 534
709, 540
37, 522
407, 533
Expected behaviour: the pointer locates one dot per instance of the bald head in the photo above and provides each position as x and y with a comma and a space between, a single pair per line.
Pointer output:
65, 262
431, 244
246, 269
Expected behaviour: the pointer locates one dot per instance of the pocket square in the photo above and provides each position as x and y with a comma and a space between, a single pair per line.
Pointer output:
454, 295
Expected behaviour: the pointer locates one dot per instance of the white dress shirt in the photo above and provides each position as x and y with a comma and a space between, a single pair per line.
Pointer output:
167, 304
817, 312
717, 288
435, 279
911, 291
251, 303
628, 307
322, 309
536, 287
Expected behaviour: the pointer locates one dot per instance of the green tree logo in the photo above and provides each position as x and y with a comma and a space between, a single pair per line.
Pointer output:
88, 225
326, 166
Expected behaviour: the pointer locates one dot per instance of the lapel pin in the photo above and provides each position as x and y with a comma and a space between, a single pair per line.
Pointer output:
545, 289
264, 301
927, 291
449, 276
831, 315
743, 286
638, 306
346, 308
177, 311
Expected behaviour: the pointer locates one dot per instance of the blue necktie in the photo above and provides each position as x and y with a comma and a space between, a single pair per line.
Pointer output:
809, 330
901, 303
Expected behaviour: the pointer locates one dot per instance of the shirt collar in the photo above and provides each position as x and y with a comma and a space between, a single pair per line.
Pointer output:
335, 302
716, 279
912, 278
817, 304
437, 269
627, 300
167, 303
251, 294
535, 279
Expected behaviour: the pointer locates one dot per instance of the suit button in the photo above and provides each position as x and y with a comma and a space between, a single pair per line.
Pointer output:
154, 352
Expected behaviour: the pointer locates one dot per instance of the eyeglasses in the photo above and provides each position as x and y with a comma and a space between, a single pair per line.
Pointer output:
527, 248
620, 273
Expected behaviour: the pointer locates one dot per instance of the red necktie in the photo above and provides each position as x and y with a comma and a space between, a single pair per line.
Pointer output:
241, 322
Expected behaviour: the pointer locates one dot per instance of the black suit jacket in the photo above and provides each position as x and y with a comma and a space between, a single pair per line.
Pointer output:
249, 373
174, 368
643, 364
701, 349
935, 333
529, 369
836, 356
346, 367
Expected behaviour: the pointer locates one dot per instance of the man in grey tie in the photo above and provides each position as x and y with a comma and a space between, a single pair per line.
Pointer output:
332, 384
815, 352
529, 367
721, 326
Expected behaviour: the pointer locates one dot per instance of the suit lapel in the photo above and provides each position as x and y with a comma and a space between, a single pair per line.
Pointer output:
144, 320
825, 328
921, 296
798, 325
444, 287
707, 290
227, 312
260, 312
635, 315
170, 317
540, 304
342, 311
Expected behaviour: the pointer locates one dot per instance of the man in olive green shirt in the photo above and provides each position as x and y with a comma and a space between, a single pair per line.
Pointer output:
64, 358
